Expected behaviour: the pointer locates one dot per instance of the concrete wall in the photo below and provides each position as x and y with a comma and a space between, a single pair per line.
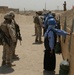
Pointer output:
15, 10
5, 9
65, 46
72, 56
65, 50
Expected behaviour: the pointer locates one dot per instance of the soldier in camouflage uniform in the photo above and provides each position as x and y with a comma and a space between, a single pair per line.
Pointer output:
38, 24
9, 38
18, 35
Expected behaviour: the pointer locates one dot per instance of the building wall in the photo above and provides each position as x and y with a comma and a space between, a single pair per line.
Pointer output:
15, 10
72, 56
65, 46
66, 53
4, 9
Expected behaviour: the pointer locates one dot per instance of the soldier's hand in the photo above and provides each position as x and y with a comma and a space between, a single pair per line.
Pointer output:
20, 38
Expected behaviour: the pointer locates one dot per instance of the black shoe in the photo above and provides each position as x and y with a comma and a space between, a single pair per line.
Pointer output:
3, 63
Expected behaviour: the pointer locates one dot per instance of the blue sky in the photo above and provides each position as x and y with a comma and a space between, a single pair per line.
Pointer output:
37, 4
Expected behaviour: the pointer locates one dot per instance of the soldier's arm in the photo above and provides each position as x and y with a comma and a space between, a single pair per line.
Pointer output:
12, 32
41, 21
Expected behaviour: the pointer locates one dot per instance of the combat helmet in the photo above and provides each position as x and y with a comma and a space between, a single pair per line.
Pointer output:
7, 16
12, 13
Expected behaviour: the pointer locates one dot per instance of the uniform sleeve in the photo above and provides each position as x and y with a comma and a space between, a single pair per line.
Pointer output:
51, 39
12, 32
41, 22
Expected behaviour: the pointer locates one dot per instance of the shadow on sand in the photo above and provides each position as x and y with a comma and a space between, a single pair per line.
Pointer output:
34, 35
49, 73
6, 70
36, 43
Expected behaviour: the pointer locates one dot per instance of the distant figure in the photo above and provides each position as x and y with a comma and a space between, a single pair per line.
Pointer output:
38, 27
35, 26
64, 6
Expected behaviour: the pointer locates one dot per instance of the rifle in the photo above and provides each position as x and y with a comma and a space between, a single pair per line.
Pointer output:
18, 34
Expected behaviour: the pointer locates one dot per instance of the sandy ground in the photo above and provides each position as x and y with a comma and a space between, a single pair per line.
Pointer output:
30, 55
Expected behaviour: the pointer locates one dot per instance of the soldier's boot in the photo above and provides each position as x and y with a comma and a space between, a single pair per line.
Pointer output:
40, 41
10, 65
3, 62
36, 40
15, 55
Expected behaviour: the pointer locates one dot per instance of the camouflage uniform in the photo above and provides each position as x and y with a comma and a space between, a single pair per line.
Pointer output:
17, 33
38, 34
39, 30
35, 29
8, 29
15, 44
38, 24
35, 25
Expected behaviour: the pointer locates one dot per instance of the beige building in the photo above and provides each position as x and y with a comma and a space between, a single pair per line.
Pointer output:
3, 9
15, 10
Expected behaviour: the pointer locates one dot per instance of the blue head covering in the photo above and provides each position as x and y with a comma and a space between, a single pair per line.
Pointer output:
50, 16
52, 21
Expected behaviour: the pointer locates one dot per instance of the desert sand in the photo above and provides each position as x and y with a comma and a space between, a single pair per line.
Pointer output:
30, 55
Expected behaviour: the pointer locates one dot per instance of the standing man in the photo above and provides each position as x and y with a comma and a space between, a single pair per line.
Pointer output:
18, 34
8, 39
38, 25
64, 6
35, 26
